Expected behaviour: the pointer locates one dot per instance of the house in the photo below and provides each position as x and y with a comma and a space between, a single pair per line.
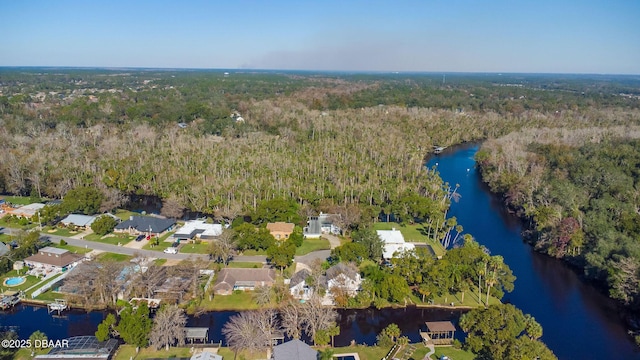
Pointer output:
230, 279
344, 277
280, 230
81, 347
198, 228
27, 211
393, 243
321, 224
294, 350
145, 225
77, 220
438, 332
298, 286
53, 259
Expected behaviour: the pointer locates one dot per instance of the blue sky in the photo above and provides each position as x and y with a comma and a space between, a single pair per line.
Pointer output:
562, 36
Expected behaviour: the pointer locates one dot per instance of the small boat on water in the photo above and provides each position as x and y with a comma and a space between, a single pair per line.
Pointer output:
438, 149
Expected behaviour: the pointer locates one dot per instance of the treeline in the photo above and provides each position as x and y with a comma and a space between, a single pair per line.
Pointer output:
579, 191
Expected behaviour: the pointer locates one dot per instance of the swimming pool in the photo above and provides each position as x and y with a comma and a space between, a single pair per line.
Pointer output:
14, 281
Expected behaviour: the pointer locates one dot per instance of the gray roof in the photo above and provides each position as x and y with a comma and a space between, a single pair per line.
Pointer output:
146, 223
349, 270
4, 248
196, 332
78, 220
53, 250
294, 350
299, 277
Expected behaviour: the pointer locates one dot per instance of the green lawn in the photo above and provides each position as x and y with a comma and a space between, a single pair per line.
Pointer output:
470, 299
12, 222
412, 233
125, 214
74, 249
309, 245
160, 262
19, 200
62, 232
364, 352
5, 238
244, 265
160, 247
195, 248
113, 257
113, 239
31, 280
50, 296
241, 301
453, 353
126, 352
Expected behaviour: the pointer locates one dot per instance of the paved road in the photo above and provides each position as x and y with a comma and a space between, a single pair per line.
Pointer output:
252, 258
121, 249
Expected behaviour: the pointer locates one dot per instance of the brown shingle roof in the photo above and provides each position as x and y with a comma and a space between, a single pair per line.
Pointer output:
228, 277
280, 227
60, 260
437, 326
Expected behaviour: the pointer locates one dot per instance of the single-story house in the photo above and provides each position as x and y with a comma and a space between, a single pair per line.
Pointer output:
78, 220
344, 276
280, 230
294, 350
55, 259
393, 243
145, 225
27, 211
298, 286
230, 279
321, 224
198, 228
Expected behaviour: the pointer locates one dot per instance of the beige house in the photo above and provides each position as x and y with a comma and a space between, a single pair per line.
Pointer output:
230, 279
280, 230
53, 259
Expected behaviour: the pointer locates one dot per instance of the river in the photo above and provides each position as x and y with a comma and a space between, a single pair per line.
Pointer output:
579, 322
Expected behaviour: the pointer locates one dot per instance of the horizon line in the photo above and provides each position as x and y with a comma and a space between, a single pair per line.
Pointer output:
241, 70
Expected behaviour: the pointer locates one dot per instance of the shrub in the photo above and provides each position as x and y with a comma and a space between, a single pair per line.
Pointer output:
62, 242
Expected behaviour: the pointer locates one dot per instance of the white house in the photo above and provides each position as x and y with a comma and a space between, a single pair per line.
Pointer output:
78, 220
198, 228
345, 277
393, 243
298, 286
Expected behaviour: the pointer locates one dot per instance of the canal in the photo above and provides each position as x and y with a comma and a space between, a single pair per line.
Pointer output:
579, 322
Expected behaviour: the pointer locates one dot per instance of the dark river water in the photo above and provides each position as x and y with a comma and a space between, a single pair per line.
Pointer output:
579, 322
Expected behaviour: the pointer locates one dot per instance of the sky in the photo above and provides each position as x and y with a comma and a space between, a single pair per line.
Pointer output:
532, 36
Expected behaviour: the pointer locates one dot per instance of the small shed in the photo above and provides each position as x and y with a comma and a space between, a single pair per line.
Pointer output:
439, 332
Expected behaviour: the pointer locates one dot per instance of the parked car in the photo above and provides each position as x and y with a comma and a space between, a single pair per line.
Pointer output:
140, 237
171, 250
176, 244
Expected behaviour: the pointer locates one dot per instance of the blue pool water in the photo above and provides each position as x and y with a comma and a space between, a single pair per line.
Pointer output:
13, 281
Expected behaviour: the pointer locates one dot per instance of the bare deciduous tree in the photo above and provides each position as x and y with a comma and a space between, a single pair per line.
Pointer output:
250, 330
96, 282
223, 247
317, 316
168, 327
291, 319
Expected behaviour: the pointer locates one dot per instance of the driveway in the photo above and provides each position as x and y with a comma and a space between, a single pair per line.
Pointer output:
333, 240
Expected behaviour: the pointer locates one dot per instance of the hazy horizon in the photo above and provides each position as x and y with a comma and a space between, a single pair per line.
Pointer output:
466, 36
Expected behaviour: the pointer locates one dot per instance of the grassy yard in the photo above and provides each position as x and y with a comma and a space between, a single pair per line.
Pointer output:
470, 299
160, 262
12, 222
5, 238
251, 252
113, 257
19, 200
113, 239
309, 245
412, 233
126, 352
195, 248
241, 301
31, 280
160, 247
364, 352
74, 249
453, 353
50, 296
125, 214
62, 232
244, 265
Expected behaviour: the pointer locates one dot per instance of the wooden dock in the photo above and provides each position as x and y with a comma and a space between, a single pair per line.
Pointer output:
9, 300
58, 306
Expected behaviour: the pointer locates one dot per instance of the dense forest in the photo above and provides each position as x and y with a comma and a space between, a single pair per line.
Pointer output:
579, 191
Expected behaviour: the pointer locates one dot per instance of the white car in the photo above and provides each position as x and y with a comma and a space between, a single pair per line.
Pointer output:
171, 250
